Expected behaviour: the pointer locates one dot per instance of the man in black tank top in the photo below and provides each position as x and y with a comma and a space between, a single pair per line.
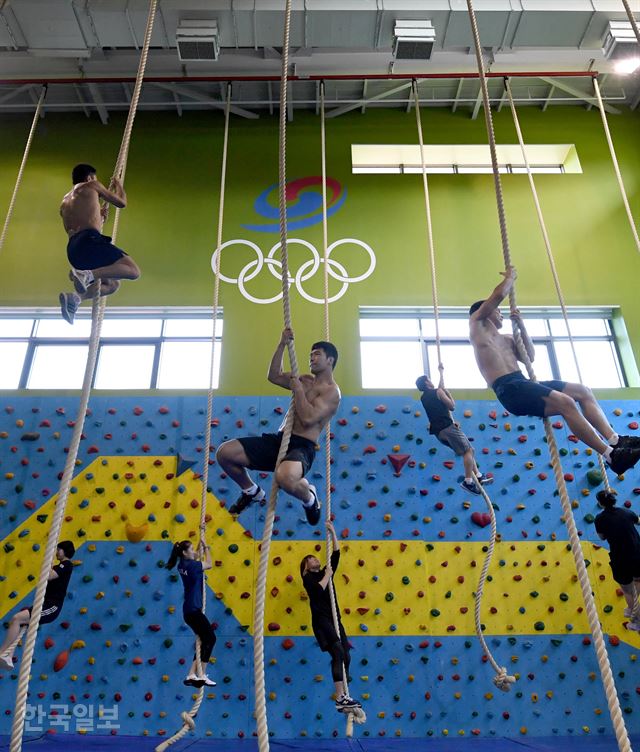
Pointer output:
438, 404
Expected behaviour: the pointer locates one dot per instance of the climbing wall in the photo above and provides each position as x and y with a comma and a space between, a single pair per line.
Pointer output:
413, 544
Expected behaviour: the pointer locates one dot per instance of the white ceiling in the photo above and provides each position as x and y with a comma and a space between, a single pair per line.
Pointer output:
95, 39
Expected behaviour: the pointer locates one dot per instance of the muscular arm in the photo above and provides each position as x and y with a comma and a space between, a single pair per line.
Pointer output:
497, 296
118, 198
206, 564
319, 409
276, 375
446, 399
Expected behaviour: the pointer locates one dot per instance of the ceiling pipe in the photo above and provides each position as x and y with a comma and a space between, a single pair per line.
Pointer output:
328, 77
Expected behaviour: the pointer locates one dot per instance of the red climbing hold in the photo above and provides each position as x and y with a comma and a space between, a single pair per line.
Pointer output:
287, 644
48, 643
61, 660
137, 411
481, 519
370, 449
381, 409
273, 626
398, 461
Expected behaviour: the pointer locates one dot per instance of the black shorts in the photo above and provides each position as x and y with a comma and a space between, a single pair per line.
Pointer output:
88, 249
625, 571
50, 612
262, 451
325, 633
521, 396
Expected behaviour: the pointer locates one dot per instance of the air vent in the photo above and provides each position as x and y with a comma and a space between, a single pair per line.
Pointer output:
198, 40
413, 40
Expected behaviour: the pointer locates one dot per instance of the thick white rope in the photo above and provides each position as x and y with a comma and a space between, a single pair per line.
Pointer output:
632, 19
356, 714
427, 211
502, 680
616, 166
550, 257
97, 314
576, 549
265, 546
188, 722
23, 164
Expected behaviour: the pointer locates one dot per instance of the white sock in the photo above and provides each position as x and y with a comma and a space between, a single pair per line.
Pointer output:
252, 490
613, 439
310, 501
607, 453
469, 480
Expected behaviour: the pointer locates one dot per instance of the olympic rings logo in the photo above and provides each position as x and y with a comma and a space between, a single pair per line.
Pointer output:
305, 271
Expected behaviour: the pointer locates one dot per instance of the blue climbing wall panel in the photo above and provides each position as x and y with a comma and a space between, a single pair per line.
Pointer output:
413, 544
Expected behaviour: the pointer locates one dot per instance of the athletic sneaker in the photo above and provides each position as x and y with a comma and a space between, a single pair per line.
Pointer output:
81, 278
69, 304
347, 703
313, 512
470, 486
245, 500
485, 479
206, 681
193, 681
6, 662
623, 458
633, 626
627, 442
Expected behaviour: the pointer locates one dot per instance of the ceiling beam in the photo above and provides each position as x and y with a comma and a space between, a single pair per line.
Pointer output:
364, 96
552, 91
476, 106
78, 92
361, 102
567, 88
15, 92
454, 106
99, 103
200, 96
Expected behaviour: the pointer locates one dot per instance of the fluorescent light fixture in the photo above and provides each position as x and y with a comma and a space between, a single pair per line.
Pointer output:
404, 159
413, 40
198, 40
621, 45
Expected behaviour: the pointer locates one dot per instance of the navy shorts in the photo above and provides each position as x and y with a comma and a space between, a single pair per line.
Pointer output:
88, 249
262, 451
49, 613
521, 396
626, 570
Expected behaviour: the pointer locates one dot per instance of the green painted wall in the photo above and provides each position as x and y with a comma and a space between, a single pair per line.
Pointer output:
170, 225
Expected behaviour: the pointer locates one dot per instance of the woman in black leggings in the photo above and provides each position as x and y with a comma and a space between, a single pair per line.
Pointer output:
316, 581
191, 571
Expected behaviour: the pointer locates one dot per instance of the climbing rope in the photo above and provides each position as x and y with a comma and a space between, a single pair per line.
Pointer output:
27, 149
356, 714
502, 680
632, 19
188, 722
616, 166
97, 314
261, 585
576, 549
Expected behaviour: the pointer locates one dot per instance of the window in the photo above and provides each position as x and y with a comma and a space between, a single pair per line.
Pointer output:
139, 349
460, 159
398, 344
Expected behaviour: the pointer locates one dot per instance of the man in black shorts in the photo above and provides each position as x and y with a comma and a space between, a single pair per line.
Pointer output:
438, 404
316, 398
92, 255
58, 582
497, 358
619, 528
316, 583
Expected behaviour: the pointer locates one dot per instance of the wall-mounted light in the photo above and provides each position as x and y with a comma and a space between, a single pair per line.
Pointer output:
621, 47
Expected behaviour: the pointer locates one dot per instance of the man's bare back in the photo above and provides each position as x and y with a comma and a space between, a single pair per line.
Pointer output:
81, 210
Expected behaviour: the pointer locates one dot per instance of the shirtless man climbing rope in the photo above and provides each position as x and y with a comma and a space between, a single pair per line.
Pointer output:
316, 398
92, 255
497, 357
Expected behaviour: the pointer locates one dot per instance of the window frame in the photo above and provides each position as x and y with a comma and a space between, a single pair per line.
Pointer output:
610, 314
164, 314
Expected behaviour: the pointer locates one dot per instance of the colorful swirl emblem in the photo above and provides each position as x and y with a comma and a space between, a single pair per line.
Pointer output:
304, 204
